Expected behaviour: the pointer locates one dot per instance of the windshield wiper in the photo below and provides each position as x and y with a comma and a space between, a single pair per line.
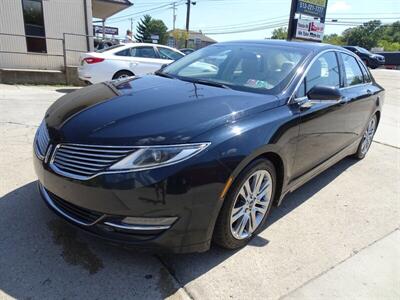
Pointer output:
162, 74
211, 83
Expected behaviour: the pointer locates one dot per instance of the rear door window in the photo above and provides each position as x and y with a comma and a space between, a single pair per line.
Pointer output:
366, 74
352, 70
145, 52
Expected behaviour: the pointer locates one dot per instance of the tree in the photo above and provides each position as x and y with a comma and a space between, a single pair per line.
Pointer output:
333, 39
389, 46
279, 33
142, 33
366, 35
148, 26
158, 27
391, 32
180, 37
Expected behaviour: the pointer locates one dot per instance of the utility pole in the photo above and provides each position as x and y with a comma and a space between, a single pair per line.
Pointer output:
174, 9
290, 32
188, 3
104, 29
131, 24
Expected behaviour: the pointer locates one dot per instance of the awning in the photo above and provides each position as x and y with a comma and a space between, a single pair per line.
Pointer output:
104, 9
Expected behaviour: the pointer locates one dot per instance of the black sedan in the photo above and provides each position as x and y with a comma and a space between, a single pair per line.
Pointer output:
201, 150
370, 59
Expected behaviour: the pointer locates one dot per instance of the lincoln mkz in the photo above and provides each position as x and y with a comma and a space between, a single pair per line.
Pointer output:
201, 150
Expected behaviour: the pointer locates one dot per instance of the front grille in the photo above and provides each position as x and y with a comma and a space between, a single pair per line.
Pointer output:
42, 140
82, 214
83, 161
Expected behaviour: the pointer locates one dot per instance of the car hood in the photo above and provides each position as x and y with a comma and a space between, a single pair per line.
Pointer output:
148, 110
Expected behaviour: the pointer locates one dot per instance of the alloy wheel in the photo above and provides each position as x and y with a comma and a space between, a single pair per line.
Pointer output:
368, 136
251, 204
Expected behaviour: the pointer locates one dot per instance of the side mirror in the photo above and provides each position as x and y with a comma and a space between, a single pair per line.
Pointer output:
323, 92
163, 67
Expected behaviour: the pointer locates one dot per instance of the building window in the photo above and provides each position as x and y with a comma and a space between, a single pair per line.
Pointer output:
34, 26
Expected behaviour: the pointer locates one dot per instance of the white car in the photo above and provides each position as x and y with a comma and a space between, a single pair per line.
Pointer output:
125, 60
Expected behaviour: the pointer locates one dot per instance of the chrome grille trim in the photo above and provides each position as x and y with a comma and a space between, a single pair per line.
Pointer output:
42, 141
91, 155
86, 158
86, 161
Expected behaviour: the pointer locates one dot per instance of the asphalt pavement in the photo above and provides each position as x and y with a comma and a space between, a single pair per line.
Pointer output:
337, 237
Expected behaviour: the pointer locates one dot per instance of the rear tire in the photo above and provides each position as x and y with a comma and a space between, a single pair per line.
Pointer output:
122, 74
246, 205
367, 138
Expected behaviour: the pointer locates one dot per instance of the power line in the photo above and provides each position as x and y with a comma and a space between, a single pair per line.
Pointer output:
144, 11
251, 23
258, 28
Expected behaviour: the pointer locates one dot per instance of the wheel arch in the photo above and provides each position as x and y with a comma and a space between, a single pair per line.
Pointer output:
123, 70
272, 153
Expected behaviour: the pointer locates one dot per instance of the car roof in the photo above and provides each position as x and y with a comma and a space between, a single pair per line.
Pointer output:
130, 45
144, 44
312, 46
125, 45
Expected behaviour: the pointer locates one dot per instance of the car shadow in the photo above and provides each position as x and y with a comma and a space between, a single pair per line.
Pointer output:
201, 263
67, 90
41, 256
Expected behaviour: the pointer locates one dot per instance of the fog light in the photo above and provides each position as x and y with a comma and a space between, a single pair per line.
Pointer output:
148, 221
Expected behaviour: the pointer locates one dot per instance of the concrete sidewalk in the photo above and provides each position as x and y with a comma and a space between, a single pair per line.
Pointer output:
373, 273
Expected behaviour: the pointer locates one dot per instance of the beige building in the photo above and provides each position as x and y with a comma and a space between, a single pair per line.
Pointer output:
196, 39
49, 34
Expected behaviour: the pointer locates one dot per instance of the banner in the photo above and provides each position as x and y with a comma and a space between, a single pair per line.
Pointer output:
108, 30
315, 8
309, 30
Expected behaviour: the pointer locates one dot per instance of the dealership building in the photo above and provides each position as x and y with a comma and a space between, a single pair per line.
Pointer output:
49, 35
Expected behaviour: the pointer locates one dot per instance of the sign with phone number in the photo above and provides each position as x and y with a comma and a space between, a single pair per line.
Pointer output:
315, 8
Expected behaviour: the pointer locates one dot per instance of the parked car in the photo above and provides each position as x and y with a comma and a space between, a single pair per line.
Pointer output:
178, 159
370, 59
124, 60
187, 51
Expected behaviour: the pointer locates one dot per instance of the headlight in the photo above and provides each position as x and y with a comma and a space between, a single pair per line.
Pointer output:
158, 156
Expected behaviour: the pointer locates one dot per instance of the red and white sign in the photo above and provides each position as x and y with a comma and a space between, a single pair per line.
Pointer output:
309, 30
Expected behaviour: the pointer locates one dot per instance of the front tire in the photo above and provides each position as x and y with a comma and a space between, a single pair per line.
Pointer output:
246, 205
367, 138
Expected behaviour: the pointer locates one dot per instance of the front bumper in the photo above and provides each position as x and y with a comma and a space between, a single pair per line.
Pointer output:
98, 205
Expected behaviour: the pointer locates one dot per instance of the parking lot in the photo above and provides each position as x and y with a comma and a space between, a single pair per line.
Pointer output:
338, 236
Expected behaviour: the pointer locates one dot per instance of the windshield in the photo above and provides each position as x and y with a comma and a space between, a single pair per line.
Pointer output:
362, 50
256, 67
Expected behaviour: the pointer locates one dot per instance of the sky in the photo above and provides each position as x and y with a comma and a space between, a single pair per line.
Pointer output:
219, 16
